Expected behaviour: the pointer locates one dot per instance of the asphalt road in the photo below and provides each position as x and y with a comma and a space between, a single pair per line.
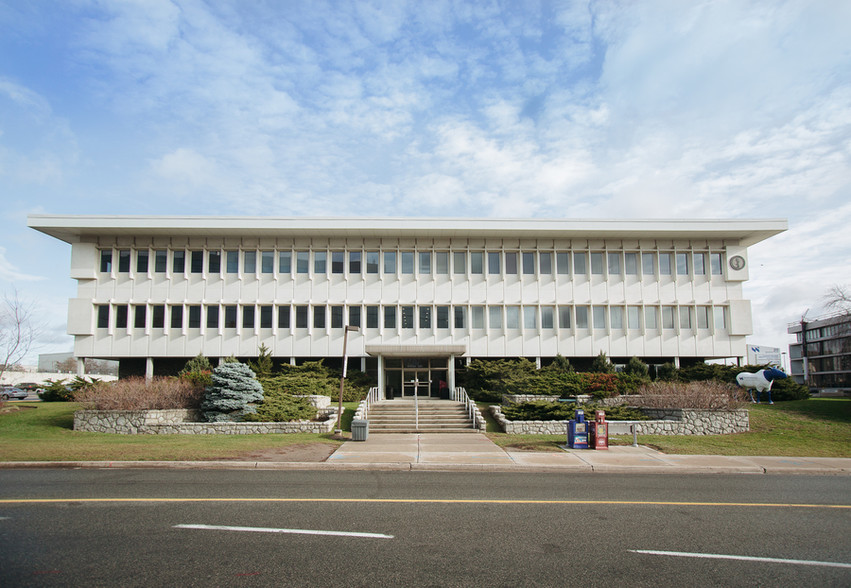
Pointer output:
153, 528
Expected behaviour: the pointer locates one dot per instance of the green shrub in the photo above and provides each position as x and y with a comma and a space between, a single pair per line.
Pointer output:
602, 365
636, 367
282, 408
230, 396
56, 391
788, 389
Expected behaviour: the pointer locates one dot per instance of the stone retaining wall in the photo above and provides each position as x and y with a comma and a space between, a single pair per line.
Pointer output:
580, 399
183, 422
670, 421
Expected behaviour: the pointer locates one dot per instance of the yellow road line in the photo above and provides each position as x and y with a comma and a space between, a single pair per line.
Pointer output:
421, 501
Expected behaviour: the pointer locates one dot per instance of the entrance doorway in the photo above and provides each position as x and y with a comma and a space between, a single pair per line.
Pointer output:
416, 376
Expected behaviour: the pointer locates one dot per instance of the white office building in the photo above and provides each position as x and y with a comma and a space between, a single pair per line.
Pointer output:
426, 295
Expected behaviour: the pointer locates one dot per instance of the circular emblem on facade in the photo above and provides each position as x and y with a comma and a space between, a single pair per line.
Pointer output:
737, 262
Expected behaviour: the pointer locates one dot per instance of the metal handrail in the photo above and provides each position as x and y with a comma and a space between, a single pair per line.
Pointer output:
371, 398
459, 394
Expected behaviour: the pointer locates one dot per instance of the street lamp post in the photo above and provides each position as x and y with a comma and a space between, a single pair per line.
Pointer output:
339, 429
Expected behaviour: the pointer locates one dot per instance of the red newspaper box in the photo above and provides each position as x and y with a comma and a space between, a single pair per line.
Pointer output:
599, 430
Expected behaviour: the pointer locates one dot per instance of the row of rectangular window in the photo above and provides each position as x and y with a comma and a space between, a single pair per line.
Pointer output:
426, 317
427, 262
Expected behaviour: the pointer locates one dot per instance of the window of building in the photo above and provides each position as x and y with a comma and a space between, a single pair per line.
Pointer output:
580, 263
267, 262
530, 318
372, 262
123, 260
407, 317
563, 263
599, 316
121, 316
425, 263
406, 259
196, 262
460, 317
720, 317
614, 264
389, 317
265, 317
477, 317
459, 262
616, 317
495, 317
563, 317
106, 261
665, 261
581, 317
176, 317
425, 317
213, 317
284, 316
597, 263
354, 263
371, 317
319, 316
477, 262
651, 319
320, 263
630, 263
103, 316
249, 262
230, 317
285, 262
247, 317
546, 263
441, 262
354, 316
493, 264
668, 317
337, 317
633, 317
648, 264
512, 317
442, 317
232, 262
158, 316
338, 262
715, 263
510, 262
142, 261
702, 317
685, 317
139, 315
214, 262
682, 264
178, 262
547, 317
528, 263
699, 264
194, 317
389, 262
302, 262
161, 261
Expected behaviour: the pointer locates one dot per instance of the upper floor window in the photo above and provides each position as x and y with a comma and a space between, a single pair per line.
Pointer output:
407, 262
176, 317
284, 317
630, 264
139, 314
123, 260
460, 317
545, 263
596, 263
510, 262
337, 317
407, 317
194, 317
372, 262
580, 263
160, 261
442, 317
715, 263
338, 262
354, 262
648, 264
196, 262
247, 317
121, 316
614, 264
354, 316
425, 262
699, 264
682, 264
477, 262
178, 262
232, 261
320, 262
212, 317
512, 317
563, 263
319, 317
267, 262
285, 262
441, 262
389, 262
528, 262
249, 262
459, 262
103, 316
158, 316
494, 268
106, 260
302, 262
142, 261
214, 262
265, 317
665, 264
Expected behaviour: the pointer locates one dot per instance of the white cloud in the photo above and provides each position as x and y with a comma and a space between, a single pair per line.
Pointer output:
10, 273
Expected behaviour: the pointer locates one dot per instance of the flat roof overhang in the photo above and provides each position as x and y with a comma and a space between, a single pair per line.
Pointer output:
415, 350
75, 228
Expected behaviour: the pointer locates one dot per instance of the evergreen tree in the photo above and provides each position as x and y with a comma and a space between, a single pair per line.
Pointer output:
230, 395
197, 364
602, 365
636, 367
264, 365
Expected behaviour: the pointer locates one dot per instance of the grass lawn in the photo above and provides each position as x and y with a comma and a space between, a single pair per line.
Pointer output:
42, 431
818, 427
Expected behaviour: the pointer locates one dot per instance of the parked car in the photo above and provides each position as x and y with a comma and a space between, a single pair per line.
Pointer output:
28, 386
8, 392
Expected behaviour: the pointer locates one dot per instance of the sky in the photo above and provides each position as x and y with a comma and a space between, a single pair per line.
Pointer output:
541, 109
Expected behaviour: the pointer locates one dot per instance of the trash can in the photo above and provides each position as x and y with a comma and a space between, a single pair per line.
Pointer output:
360, 429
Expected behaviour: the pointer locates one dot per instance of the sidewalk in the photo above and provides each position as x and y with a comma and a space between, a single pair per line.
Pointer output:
475, 452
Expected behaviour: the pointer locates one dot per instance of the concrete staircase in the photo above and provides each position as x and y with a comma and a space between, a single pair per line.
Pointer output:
435, 416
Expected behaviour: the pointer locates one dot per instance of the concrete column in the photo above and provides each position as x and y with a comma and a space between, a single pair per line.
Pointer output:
149, 368
292, 361
81, 366
538, 362
363, 364
381, 392
450, 372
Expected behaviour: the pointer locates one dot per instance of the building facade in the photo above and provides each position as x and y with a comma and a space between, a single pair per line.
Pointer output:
821, 355
426, 295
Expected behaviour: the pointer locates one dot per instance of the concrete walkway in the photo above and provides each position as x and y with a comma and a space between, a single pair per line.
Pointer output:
424, 451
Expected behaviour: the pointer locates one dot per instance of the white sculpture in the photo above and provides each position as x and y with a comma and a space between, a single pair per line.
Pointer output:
760, 381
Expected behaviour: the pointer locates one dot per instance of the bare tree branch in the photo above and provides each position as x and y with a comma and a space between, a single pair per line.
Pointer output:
18, 330
838, 297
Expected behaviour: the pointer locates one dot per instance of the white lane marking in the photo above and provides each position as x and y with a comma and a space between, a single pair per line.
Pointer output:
291, 531
801, 562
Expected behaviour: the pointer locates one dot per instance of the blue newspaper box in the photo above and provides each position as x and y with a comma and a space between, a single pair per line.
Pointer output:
577, 431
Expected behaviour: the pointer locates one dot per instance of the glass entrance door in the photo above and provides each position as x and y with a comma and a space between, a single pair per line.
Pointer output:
416, 382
